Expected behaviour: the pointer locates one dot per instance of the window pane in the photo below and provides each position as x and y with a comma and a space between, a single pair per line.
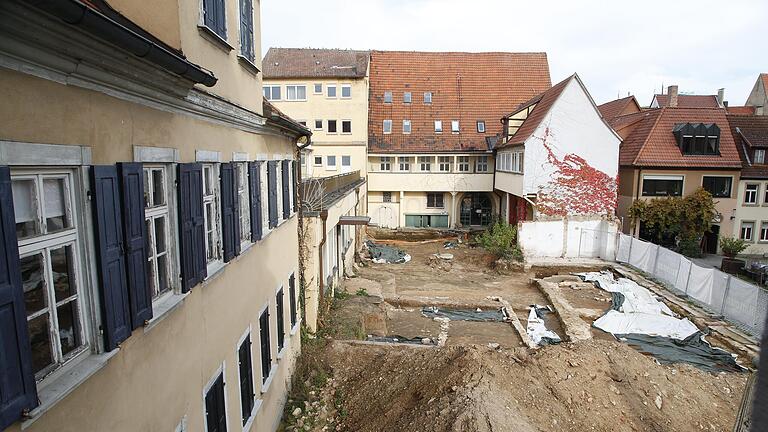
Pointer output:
62, 268
276, 92
69, 333
207, 182
158, 187
301, 92
162, 274
33, 283
346, 91
160, 242
25, 208
55, 205
147, 191
148, 238
40, 341
291, 92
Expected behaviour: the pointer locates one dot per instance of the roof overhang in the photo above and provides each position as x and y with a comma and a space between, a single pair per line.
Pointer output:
354, 220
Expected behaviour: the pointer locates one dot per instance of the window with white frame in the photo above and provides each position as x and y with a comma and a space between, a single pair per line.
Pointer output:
330, 163
318, 161
296, 92
387, 126
427, 97
425, 163
480, 126
157, 220
386, 197
462, 163
405, 163
272, 92
444, 163
481, 164
346, 91
318, 125
387, 97
346, 126
454, 126
330, 90
332, 128
435, 200
763, 231
407, 97
750, 193
318, 88
747, 230
765, 194
406, 126
346, 163
211, 213
759, 156
438, 126
49, 253
385, 163
244, 201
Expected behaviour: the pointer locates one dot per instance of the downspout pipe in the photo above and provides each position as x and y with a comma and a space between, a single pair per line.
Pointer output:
324, 218
93, 22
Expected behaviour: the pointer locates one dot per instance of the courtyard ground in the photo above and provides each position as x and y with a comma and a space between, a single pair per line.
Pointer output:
484, 375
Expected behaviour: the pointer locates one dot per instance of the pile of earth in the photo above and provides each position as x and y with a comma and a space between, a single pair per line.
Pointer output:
585, 386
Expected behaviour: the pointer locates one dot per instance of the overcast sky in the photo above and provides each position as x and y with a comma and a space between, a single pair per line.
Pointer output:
616, 47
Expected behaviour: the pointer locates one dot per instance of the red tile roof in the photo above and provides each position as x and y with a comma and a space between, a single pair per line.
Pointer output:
618, 107
467, 87
689, 101
740, 110
543, 102
749, 132
651, 142
314, 63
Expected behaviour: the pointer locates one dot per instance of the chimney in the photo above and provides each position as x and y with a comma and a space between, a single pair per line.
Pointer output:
721, 97
672, 92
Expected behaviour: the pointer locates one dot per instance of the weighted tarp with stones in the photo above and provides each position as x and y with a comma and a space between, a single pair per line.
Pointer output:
639, 319
381, 253
478, 315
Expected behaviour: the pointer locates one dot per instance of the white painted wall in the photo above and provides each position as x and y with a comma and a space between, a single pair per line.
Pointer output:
568, 238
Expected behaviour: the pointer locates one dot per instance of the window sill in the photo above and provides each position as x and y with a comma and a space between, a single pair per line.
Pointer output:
281, 352
265, 385
214, 37
163, 308
214, 269
295, 327
248, 64
63, 385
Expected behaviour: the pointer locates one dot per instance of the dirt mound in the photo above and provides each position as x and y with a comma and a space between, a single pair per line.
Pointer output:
595, 385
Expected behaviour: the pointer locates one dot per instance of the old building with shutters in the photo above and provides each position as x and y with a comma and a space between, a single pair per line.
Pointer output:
148, 224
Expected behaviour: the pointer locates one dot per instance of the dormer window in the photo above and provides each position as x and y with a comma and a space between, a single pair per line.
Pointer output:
697, 138
759, 157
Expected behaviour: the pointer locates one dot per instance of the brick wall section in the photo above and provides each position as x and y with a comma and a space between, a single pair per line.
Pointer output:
465, 86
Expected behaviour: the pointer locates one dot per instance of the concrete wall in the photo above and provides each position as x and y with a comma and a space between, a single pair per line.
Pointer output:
157, 377
753, 213
569, 238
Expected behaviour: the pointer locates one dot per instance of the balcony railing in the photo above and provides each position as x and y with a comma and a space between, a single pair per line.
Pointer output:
319, 193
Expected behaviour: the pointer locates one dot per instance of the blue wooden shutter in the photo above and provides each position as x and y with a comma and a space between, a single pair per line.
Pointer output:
135, 230
113, 288
272, 191
294, 195
215, 407
191, 225
221, 28
245, 365
18, 392
265, 345
246, 29
209, 14
254, 178
292, 299
230, 212
279, 301
286, 184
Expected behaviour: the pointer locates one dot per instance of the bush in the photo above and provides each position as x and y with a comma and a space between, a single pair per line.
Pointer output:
690, 247
732, 246
500, 239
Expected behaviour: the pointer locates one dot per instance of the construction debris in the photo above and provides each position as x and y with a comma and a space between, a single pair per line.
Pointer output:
536, 328
385, 254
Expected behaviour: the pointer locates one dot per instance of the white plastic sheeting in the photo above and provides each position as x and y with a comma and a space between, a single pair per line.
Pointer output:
640, 313
536, 329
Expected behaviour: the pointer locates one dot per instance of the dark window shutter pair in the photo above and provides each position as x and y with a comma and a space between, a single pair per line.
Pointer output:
254, 189
246, 379
292, 294
246, 29
191, 225
18, 392
286, 184
118, 210
214, 16
264, 342
215, 408
279, 300
293, 188
272, 192
230, 212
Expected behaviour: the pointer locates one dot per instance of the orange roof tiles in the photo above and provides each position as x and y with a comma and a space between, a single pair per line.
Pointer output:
467, 87
651, 142
615, 108
314, 63
740, 110
689, 101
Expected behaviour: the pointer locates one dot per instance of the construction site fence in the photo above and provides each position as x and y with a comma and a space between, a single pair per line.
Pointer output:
738, 301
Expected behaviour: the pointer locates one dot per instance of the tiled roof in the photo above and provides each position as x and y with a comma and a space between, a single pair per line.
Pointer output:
271, 112
615, 108
467, 87
544, 102
651, 142
689, 101
750, 131
314, 63
740, 110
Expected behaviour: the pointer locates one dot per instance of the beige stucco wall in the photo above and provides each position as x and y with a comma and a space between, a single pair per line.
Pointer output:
158, 375
692, 180
755, 213
429, 182
161, 20
509, 182
356, 152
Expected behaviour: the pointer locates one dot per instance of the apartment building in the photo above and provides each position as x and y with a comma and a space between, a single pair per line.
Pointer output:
751, 214
327, 91
556, 170
148, 226
673, 151
433, 119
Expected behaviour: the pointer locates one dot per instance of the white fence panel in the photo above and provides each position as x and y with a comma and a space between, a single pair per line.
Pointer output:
640, 253
682, 276
667, 265
741, 304
719, 290
700, 284
622, 255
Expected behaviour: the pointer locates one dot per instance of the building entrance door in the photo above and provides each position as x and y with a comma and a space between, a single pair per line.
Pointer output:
476, 209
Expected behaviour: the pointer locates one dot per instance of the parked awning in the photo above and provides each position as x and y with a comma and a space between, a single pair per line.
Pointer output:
354, 220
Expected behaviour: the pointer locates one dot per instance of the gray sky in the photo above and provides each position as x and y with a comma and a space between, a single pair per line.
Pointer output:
615, 46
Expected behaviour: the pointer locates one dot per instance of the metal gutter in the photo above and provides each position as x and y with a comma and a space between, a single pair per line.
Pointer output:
92, 21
